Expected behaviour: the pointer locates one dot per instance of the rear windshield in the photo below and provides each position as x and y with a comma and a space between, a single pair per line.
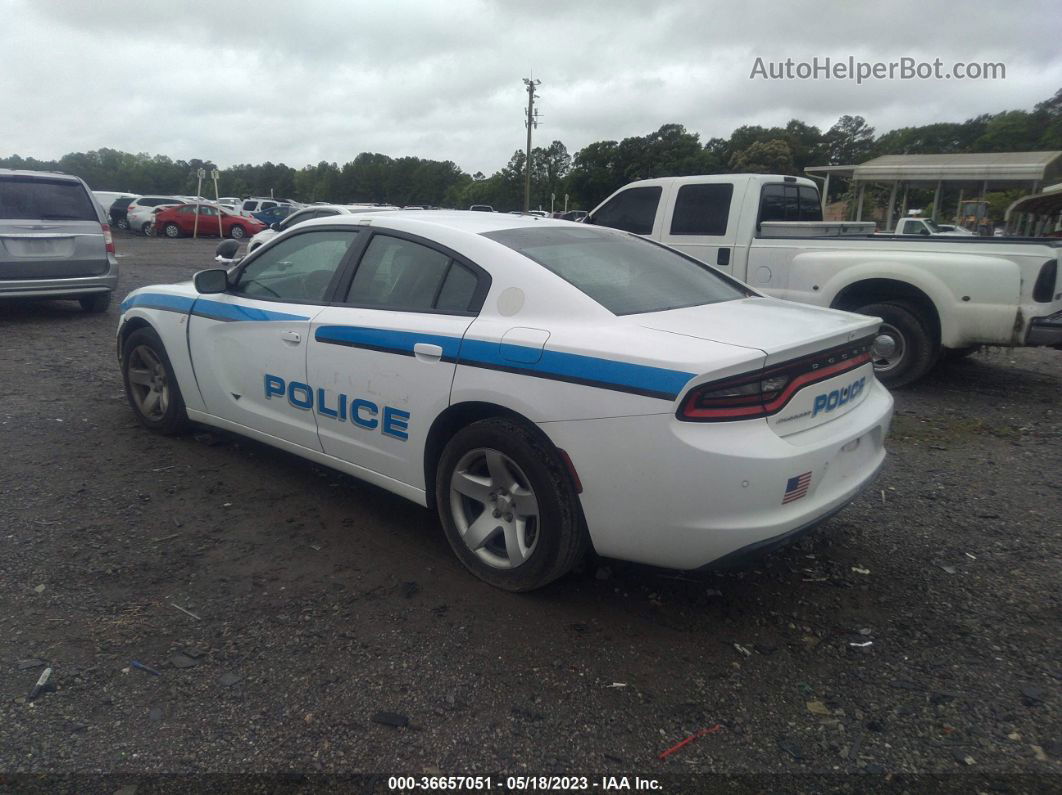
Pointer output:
625, 274
33, 198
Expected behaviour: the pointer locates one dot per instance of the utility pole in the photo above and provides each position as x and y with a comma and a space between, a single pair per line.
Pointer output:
531, 121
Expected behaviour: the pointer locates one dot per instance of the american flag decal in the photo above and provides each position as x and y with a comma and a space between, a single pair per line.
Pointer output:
797, 487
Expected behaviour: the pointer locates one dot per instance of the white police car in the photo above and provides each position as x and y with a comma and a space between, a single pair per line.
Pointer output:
544, 385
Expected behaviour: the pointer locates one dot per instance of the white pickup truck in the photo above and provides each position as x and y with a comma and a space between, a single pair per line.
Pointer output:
927, 227
934, 294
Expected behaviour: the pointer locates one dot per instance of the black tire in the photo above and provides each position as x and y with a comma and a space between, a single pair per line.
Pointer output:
237, 232
172, 420
148, 229
122, 223
560, 537
95, 303
171, 230
916, 350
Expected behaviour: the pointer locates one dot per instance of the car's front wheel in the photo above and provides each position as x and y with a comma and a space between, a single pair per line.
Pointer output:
237, 232
507, 505
150, 384
172, 230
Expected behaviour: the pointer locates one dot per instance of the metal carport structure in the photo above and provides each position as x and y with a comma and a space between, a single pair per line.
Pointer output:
979, 171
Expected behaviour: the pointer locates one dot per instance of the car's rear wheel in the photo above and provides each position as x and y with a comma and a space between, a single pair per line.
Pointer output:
237, 232
122, 223
508, 506
147, 228
172, 230
97, 302
902, 350
150, 384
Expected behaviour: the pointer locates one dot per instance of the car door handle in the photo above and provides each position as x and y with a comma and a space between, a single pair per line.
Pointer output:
427, 352
293, 337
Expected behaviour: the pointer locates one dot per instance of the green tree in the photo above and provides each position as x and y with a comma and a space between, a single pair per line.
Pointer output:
764, 157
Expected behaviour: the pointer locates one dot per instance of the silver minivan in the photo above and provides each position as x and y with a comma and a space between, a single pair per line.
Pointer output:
54, 240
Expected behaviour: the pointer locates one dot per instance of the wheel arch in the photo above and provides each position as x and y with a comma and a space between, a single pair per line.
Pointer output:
877, 290
134, 323
460, 415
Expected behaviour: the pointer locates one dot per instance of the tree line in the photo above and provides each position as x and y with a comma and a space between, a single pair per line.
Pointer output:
587, 178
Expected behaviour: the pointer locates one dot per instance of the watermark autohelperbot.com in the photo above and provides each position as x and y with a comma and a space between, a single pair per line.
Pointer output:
850, 68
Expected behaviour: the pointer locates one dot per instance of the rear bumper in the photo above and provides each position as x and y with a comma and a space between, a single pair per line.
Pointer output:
62, 287
1045, 330
686, 495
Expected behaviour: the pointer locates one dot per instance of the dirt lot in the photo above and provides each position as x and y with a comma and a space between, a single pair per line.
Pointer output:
915, 633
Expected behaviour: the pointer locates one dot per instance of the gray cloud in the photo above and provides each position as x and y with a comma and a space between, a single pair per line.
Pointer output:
306, 81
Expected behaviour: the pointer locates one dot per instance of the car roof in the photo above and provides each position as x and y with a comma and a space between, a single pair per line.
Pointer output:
20, 172
466, 221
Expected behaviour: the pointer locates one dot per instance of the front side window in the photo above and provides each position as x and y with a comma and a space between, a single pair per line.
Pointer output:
400, 274
626, 275
186, 210
300, 268
702, 209
632, 210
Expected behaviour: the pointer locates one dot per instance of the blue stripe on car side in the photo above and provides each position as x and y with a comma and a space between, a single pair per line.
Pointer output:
216, 310
386, 340
169, 303
637, 379
590, 370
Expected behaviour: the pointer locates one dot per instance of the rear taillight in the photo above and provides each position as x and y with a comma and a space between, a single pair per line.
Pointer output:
1044, 289
761, 394
108, 241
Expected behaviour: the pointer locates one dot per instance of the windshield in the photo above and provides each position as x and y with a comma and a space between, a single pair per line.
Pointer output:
625, 274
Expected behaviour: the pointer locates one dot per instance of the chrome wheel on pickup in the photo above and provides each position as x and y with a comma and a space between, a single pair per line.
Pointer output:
902, 351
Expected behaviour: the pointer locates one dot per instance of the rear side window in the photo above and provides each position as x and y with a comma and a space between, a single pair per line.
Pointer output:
632, 210
702, 209
400, 274
789, 203
624, 274
34, 198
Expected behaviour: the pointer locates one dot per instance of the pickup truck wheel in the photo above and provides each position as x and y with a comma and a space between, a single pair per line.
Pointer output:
902, 351
150, 384
507, 506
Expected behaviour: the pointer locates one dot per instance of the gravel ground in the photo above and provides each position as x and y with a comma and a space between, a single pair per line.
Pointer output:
284, 605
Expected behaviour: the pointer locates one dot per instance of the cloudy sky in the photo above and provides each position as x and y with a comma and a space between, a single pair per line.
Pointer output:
299, 81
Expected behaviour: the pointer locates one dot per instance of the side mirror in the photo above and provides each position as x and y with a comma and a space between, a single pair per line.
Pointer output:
215, 280
275, 226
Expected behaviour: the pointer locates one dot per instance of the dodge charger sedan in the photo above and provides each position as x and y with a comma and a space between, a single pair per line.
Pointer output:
545, 386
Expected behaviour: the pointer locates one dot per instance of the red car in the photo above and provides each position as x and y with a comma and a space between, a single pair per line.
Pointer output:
180, 220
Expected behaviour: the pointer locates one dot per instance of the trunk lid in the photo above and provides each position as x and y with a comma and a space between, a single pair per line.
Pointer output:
822, 354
